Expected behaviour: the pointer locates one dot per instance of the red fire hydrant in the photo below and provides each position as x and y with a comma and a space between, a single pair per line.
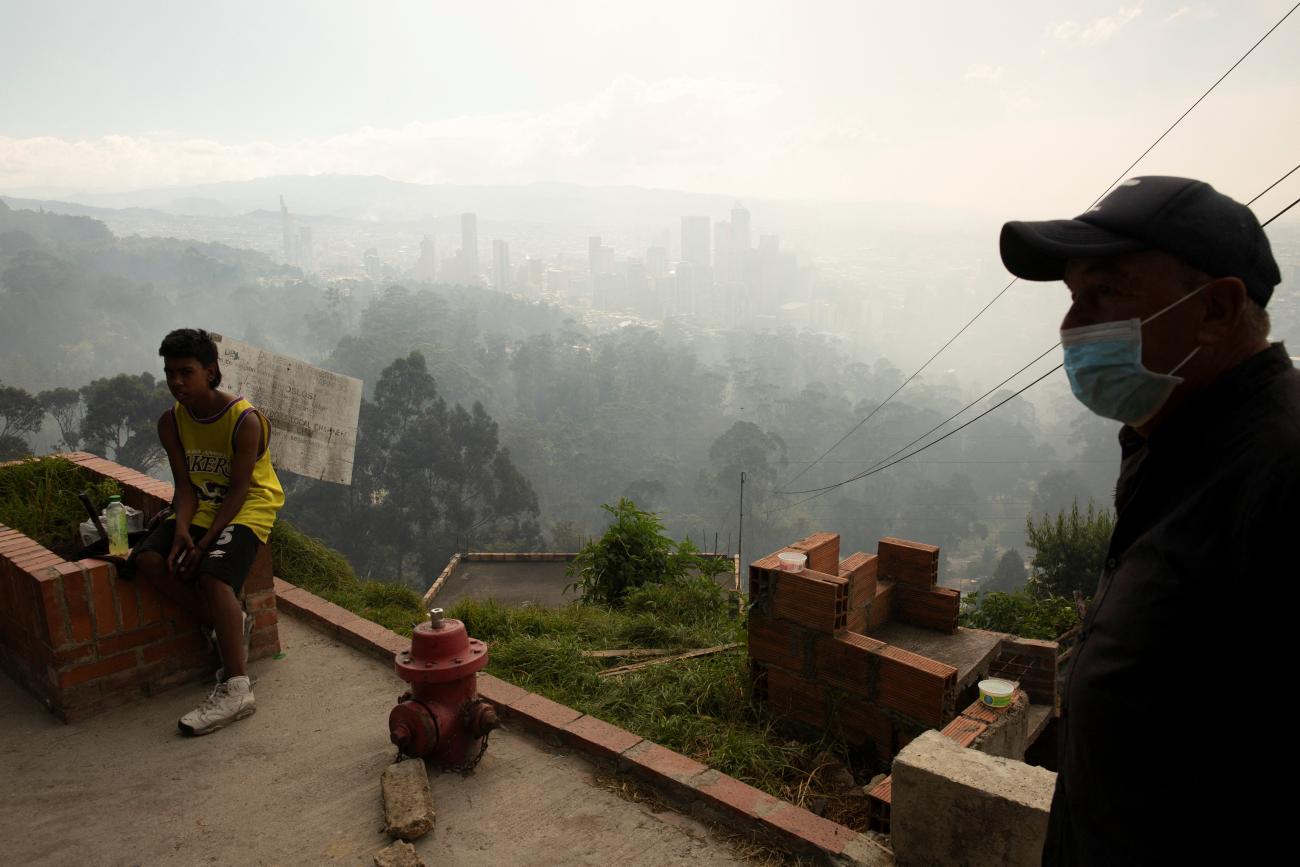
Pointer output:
442, 719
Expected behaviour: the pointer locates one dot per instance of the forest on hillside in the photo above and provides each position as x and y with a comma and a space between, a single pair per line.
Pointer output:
493, 421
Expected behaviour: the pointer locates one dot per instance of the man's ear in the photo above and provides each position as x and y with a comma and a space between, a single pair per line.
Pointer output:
1225, 307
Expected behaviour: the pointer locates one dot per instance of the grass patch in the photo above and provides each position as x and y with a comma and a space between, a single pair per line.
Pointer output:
698, 707
38, 498
317, 568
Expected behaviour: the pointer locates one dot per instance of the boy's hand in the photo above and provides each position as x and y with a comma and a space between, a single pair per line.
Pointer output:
184, 556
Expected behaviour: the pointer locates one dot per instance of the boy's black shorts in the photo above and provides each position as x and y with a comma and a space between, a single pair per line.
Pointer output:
228, 559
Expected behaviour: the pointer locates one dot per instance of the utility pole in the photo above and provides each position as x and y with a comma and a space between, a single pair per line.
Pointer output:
740, 540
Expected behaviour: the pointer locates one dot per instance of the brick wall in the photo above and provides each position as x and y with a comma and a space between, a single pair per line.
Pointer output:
811, 661
82, 639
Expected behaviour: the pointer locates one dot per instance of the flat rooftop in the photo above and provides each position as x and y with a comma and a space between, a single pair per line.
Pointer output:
298, 783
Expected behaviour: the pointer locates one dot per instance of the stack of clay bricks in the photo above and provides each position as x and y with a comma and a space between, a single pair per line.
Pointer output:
913, 568
82, 639
811, 662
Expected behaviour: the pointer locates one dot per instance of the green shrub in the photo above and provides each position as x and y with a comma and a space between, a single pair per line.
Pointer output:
38, 498
634, 551
1023, 613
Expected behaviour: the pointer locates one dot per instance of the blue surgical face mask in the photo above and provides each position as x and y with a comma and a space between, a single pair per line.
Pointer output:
1104, 364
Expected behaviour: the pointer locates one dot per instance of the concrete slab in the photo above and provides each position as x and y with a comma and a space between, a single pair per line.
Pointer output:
510, 582
299, 783
968, 650
1039, 716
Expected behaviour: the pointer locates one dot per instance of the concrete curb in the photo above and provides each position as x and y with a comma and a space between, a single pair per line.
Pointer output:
678, 778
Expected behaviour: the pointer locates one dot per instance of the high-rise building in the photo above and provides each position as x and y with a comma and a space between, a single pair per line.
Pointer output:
739, 228
593, 254
427, 266
501, 265
695, 241
656, 262
724, 253
286, 227
469, 246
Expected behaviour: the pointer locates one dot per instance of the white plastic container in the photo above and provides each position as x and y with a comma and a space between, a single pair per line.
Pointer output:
792, 561
996, 692
134, 522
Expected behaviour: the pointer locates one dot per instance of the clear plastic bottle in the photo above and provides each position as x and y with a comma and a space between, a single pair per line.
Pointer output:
115, 524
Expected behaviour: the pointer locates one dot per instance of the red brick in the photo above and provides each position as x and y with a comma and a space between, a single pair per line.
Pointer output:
65, 658
964, 730
861, 571
913, 563
848, 661
599, 738
796, 697
810, 829
881, 608
779, 642
498, 691
76, 595
128, 640
935, 608
823, 550
150, 604
178, 646
264, 619
734, 798
101, 589
660, 765
103, 667
542, 715
282, 586
367, 637
260, 600
51, 602
126, 604
811, 599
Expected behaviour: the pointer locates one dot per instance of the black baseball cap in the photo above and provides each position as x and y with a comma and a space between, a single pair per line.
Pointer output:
1185, 218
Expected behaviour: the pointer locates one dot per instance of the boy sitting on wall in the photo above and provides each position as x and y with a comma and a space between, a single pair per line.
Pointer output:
227, 497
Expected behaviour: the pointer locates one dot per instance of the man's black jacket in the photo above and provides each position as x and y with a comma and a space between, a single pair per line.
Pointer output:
1181, 663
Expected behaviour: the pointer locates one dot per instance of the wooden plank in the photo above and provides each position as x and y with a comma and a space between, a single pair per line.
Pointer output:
629, 652
678, 657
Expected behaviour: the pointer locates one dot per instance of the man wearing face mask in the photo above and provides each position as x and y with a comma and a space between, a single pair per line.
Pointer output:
1180, 659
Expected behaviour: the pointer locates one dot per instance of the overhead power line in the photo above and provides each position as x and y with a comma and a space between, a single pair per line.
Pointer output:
784, 488
886, 462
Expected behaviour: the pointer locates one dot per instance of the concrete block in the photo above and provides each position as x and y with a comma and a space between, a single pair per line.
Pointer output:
951, 805
1008, 736
398, 855
408, 803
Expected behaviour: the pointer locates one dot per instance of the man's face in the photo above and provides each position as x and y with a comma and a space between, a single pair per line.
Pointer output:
1135, 286
187, 379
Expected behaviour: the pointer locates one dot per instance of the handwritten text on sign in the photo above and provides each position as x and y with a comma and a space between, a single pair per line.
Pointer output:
313, 412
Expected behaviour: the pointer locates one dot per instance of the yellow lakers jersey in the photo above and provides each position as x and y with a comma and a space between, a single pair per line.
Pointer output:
209, 445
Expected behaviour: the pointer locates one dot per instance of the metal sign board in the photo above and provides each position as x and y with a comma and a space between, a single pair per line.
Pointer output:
313, 412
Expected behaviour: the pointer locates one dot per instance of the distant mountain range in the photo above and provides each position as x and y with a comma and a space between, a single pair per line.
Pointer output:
376, 198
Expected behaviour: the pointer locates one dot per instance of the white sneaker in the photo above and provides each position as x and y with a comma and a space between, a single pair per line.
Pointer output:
229, 701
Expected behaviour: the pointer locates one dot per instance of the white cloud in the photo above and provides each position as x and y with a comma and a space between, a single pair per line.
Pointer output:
983, 72
669, 132
1198, 13
1099, 29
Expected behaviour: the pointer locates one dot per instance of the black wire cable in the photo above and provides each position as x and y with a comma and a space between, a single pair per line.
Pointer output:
945, 421
1271, 186
879, 466
1193, 105
915, 373
1112, 184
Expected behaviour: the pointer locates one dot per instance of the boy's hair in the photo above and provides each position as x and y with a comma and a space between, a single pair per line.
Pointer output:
191, 343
